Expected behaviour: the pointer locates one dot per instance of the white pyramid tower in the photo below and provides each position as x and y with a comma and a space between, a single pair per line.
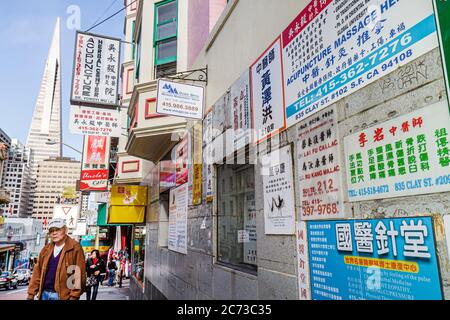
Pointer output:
46, 121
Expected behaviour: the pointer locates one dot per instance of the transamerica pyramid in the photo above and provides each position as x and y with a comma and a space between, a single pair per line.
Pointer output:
46, 121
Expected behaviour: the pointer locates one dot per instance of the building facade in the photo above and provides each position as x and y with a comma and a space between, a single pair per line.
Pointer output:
240, 241
53, 176
46, 122
17, 179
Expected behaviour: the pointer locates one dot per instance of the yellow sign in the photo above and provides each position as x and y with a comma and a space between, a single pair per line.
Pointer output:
197, 174
2, 220
128, 195
126, 214
100, 248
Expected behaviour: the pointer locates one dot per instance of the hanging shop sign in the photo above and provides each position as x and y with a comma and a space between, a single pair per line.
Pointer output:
267, 95
319, 168
69, 213
94, 170
331, 50
180, 100
442, 12
95, 121
183, 158
178, 207
240, 113
380, 259
167, 175
407, 155
278, 186
303, 262
95, 78
128, 195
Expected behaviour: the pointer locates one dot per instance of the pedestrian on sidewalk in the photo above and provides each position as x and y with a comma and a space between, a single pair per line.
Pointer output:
94, 267
112, 267
59, 273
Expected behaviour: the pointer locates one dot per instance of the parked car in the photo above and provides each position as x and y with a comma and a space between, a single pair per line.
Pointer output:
8, 280
23, 276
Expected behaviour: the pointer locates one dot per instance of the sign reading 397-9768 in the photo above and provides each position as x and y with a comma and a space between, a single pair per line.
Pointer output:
96, 70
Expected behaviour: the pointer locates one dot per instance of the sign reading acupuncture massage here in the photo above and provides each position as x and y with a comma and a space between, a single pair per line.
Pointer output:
334, 48
379, 259
407, 155
95, 78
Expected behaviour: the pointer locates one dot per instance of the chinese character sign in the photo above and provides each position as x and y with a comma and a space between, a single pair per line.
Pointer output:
94, 170
278, 186
303, 262
96, 70
377, 259
319, 168
267, 93
95, 121
240, 117
331, 49
250, 230
407, 155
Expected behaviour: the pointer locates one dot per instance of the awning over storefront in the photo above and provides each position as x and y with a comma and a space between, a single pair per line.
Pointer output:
126, 214
7, 247
102, 218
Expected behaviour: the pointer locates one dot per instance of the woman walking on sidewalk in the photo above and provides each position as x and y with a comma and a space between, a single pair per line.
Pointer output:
94, 267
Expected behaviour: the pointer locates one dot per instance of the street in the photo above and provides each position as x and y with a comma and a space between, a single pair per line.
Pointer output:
104, 293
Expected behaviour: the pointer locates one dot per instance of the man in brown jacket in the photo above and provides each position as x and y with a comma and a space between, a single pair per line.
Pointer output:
60, 273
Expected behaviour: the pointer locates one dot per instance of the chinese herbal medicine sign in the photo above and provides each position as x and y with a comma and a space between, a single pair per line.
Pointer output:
178, 207
331, 50
94, 170
181, 100
96, 70
267, 96
319, 167
407, 155
278, 186
95, 121
378, 259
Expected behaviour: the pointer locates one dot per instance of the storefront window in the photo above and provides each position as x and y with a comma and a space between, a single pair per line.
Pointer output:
139, 252
236, 216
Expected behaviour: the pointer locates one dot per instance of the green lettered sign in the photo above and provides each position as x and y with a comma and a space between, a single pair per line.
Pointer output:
442, 12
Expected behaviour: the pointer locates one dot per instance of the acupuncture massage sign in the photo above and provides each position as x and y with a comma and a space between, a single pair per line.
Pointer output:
334, 48
405, 156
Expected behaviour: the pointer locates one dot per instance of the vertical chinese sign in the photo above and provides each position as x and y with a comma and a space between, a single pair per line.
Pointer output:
95, 78
267, 95
240, 118
250, 229
278, 186
379, 259
178, 206
331, 49
319, 167
407, 155
207, 174
94, 170
442, 13
303, 262
197, 165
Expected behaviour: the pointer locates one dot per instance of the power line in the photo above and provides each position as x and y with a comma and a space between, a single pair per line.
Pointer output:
111, 16
104, 12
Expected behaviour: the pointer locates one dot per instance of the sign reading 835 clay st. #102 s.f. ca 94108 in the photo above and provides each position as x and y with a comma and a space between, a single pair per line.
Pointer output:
180, 100
95, 78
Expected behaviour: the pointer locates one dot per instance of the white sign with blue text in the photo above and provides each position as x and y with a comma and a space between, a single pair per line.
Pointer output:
334, 48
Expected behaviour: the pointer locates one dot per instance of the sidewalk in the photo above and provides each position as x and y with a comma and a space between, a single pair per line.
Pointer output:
112, 293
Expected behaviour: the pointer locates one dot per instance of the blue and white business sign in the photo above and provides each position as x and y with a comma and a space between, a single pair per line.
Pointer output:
180, 100
376, 259
333, 49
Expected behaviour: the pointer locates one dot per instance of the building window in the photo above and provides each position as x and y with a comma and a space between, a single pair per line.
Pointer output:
165, 32
236, 216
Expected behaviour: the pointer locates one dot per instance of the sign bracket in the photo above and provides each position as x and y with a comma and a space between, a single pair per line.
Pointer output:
196, 75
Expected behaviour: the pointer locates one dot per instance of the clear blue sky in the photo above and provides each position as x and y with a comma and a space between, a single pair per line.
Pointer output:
26, 29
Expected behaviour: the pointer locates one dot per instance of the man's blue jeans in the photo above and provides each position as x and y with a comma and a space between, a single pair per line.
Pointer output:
49, 295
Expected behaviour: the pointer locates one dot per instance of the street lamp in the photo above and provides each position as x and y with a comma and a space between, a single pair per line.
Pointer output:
51, 142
